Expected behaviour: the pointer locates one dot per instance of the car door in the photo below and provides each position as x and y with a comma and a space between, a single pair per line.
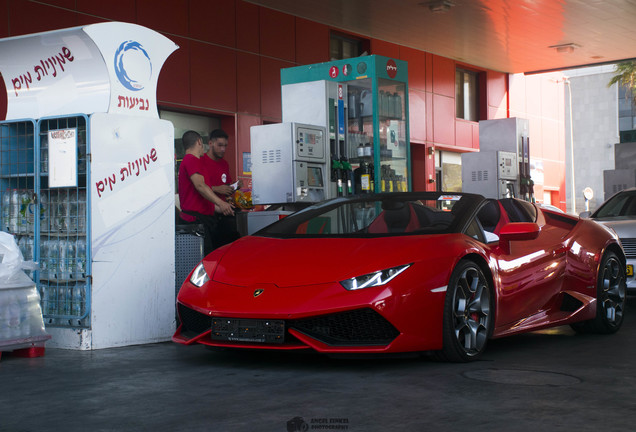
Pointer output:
530, 272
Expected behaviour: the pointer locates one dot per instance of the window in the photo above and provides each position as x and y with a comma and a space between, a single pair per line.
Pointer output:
467, 95
342, 46
448, 171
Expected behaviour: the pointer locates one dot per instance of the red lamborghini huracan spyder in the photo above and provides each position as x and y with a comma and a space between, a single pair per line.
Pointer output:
406, 272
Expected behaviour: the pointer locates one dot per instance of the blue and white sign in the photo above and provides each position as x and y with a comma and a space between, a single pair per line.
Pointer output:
133, 66
134, 61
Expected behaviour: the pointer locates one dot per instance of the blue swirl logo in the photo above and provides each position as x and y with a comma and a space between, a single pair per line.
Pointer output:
132, 65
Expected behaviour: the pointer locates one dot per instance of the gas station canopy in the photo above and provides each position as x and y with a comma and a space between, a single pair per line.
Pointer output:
509, 36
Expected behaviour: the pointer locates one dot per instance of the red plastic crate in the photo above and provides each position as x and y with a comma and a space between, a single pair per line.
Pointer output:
26, 348
28, 352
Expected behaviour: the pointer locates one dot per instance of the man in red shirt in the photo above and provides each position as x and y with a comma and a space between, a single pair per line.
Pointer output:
218, 178
198, 203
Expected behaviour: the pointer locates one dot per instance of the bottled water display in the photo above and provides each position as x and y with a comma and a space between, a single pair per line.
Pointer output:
49, 223
62, 260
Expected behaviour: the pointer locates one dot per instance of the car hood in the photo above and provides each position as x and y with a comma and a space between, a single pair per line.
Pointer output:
624, 228
295, 262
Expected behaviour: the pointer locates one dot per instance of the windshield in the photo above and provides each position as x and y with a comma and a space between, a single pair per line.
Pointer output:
378, 215
621, 204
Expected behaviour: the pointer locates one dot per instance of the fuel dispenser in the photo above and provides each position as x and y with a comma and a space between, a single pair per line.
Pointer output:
322, 103
363, 105
289, 162
501, 169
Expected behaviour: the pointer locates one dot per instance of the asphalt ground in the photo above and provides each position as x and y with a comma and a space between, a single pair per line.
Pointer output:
553, 380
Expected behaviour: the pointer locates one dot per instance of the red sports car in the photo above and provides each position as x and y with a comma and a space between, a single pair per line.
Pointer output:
405, 272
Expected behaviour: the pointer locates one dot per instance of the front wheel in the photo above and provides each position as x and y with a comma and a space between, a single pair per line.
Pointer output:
610, 299
468, 319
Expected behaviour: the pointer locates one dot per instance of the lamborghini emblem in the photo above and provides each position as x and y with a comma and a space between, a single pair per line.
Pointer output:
258, 292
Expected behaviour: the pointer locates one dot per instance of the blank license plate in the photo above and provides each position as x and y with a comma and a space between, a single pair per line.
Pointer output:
248, 330
630, 270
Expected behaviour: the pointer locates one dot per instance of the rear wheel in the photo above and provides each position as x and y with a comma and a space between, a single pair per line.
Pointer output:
467, 314
611, 298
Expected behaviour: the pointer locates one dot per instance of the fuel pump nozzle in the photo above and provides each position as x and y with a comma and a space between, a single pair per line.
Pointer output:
347, 171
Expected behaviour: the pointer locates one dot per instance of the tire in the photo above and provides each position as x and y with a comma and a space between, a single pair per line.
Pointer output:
611, 297
468, 314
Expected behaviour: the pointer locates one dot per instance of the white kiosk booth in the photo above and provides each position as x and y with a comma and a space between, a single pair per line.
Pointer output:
87, 180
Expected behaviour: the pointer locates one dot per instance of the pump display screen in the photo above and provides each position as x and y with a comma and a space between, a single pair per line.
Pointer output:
314, 176
310, 138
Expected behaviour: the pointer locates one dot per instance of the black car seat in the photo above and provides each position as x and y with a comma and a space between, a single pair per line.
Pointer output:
397, 219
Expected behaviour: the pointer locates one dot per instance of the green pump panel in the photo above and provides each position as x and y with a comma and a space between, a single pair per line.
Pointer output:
363, 104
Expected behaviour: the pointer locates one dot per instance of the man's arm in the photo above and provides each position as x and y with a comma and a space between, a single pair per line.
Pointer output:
207, 193
223, 189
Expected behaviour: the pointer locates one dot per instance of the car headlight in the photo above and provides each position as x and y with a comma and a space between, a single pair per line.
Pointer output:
374, 279
199, 276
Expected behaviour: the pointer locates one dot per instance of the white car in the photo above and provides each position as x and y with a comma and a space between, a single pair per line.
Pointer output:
619, 213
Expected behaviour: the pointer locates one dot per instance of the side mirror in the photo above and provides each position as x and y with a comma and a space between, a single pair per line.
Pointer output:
585, 214
517, 231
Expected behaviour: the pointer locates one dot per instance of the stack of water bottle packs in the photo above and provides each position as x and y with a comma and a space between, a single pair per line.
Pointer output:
21, 323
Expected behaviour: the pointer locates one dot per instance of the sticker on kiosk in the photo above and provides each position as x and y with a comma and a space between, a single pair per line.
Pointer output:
391, 68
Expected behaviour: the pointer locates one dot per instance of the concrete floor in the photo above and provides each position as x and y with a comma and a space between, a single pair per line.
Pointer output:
553, 380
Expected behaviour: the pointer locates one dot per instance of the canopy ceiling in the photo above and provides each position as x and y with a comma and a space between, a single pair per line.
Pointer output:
503, 35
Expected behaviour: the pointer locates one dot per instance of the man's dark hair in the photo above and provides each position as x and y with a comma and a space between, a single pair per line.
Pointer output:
217, 133
189, 139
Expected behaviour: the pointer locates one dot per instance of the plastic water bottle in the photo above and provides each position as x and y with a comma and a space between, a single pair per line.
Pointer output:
14, 317
25, 244
73, 222
23, 304
81, 211
44, 160
44, 259
67, 260
23, 204
44, 212
30, 249
15, 211
48, 300
79, 299
62, 267
61, 211
67, 299
6, 210
32, 212
80, 259
54, 259
53, 210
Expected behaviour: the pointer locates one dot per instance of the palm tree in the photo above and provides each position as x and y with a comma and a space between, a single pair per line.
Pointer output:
625, 75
